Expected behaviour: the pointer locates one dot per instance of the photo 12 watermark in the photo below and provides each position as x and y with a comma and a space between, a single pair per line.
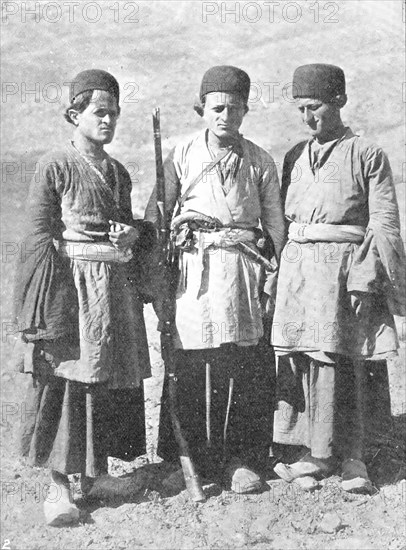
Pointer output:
25, 172
55, 92
270, 12
70, 12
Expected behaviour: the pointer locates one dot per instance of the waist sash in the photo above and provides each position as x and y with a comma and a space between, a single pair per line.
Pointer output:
223, 238
327, 232
94, 252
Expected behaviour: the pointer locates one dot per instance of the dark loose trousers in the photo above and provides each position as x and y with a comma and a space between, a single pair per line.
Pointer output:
249, 430
73, 427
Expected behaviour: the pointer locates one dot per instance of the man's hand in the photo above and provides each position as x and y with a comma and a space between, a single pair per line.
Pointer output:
164, 310
361, 303
122, 236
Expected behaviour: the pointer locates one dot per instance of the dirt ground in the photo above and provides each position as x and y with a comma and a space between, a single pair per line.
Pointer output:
137, 510
159, 60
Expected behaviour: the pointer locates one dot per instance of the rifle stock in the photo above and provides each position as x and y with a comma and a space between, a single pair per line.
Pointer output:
192, 480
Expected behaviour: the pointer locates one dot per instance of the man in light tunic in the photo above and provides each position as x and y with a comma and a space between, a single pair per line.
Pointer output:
341, 281
226, 187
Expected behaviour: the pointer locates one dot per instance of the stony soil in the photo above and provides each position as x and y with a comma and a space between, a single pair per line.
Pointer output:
138, 510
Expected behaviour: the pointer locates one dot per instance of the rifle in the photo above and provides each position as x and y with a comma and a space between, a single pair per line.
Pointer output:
192, 480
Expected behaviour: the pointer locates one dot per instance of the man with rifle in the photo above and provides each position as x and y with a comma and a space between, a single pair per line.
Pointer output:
221, 193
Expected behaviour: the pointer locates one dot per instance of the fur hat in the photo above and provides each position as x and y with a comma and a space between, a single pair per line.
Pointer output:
94, 79
318, 81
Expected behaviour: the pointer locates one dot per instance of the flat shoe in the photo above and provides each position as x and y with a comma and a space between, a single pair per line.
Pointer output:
240, 478
355, 477
291, 472
307, 466
59, 510
244, 481
358, 485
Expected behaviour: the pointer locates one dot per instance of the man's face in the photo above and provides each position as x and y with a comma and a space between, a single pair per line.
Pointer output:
223, 114
97, 122
322, 119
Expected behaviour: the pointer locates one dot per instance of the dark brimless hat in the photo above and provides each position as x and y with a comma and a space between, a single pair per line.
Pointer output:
226, 79
318, 81
94, 79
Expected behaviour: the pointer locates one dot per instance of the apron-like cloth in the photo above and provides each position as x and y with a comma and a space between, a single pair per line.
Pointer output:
111, 329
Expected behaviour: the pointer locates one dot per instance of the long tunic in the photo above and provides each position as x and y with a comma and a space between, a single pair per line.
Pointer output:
218, 299
349, 183
86, 314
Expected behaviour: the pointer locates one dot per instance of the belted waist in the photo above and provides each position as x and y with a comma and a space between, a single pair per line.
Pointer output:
224, 238
327, 232
93, 252
227, 237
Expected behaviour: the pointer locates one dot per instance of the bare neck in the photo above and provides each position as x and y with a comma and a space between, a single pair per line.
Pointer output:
87, 147
335, 133
217, 144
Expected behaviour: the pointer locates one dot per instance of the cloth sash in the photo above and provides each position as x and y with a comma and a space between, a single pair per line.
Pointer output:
94, 252
223, 238
327, 232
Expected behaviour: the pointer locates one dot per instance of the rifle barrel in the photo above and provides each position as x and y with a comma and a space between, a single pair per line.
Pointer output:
160, 175
167, 348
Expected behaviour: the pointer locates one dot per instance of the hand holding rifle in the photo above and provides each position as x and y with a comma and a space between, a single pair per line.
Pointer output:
192, 481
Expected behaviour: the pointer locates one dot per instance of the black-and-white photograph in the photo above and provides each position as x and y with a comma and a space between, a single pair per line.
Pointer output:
203, 275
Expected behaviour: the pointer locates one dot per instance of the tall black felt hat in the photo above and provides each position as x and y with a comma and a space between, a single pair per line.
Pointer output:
318, 81
226, 79
94, 79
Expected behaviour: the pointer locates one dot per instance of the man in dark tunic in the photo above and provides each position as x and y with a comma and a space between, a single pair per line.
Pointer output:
82, 332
